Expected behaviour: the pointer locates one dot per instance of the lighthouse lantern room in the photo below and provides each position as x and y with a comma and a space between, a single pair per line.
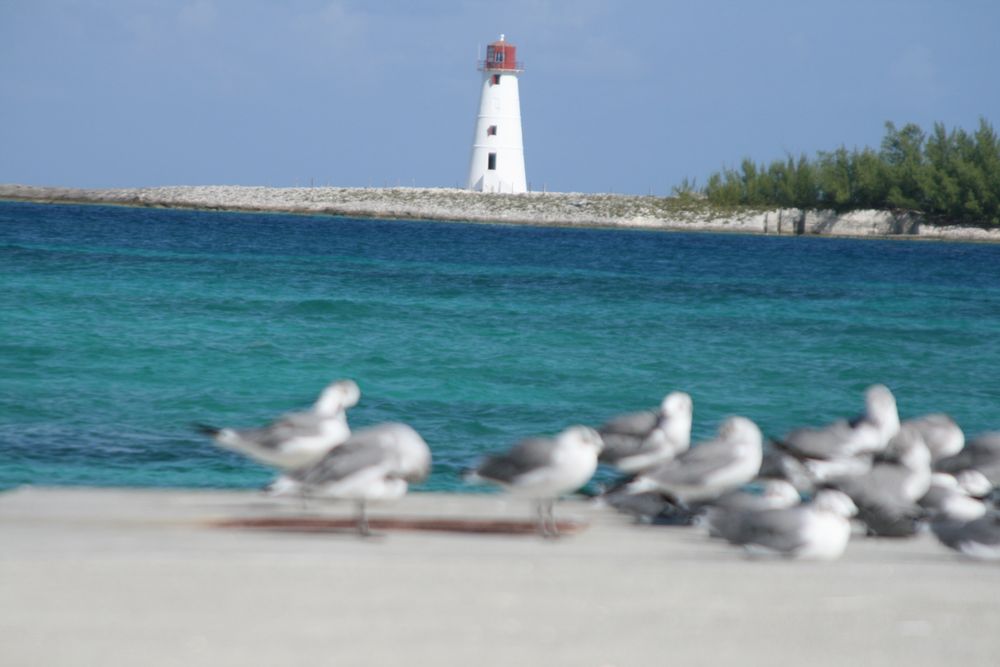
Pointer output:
497, 163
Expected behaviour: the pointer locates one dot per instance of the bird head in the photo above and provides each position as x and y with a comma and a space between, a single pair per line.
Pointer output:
836, 502
337, 397
880, 408
740, 429
676, 403
583, 435
779, 492
974, 483
948, 498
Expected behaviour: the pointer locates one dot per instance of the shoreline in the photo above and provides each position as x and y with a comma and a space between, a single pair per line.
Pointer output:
196, 577
545, 209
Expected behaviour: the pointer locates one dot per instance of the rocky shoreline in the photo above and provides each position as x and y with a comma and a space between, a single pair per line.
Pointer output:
536, 208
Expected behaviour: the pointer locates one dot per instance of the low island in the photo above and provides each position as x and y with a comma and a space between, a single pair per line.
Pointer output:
678, 213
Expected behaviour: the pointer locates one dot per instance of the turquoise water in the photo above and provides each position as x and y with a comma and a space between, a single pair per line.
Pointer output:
121, 327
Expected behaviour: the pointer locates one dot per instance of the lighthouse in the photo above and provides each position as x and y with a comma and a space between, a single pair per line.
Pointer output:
497, 163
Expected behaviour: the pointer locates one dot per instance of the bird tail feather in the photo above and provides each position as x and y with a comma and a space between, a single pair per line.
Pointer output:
206, 429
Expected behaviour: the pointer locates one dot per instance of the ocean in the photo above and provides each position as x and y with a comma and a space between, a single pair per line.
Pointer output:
122, 327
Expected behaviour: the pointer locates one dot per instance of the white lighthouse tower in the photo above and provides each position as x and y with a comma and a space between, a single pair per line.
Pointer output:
497, 163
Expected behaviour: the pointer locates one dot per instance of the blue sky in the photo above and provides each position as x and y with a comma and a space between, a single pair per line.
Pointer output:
621, 96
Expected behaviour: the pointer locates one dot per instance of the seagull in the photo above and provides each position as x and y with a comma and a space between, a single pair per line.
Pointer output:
981, 453
887, 495
818, 530
297, 439
843, 448
729, 509
710, 468
979, 538
639, 440
866, 434
974, 483
960, 522
942, 435
807, 474
375, 463
950, 497
544, 469
652, 507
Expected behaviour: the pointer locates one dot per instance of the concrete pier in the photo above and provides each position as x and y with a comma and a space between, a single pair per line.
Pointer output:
162, 577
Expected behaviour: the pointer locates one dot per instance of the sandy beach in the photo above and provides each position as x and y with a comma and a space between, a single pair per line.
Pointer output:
153, 577
534, 208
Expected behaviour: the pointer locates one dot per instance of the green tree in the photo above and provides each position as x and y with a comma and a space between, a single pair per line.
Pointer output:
871, 179
954, 174
805, 184
941, 190
902, 151
987, 158
836, 180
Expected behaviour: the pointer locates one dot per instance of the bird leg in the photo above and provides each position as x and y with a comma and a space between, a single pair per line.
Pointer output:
546, 518
363, 528
540, 511
553, 528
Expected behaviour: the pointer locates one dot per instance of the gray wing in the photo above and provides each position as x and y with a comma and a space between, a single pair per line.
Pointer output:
984, 530
881, 499
343, 461
642, 506
740, 500
524, 457
883, 486
623, 436
780, 530
890, 521
635, 424
981, 453
691, 467
817, 443
726, 522
272, 436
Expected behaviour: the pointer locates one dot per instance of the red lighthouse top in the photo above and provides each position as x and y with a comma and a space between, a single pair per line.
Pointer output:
501, 56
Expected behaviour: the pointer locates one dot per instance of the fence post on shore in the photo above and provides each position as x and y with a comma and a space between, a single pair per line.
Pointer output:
780, 211
765, 222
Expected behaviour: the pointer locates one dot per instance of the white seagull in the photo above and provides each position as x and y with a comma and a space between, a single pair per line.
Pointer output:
868, 433
960, 522
887, 494
978, 539
981, 453
639, 440
297, 439
708, 469
375, 463
729, 509
954, 499
842, 448
818, 530
544, 469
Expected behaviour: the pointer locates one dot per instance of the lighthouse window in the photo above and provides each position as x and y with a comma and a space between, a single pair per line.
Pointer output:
491, 131
496, 79
498, 56
491, 163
